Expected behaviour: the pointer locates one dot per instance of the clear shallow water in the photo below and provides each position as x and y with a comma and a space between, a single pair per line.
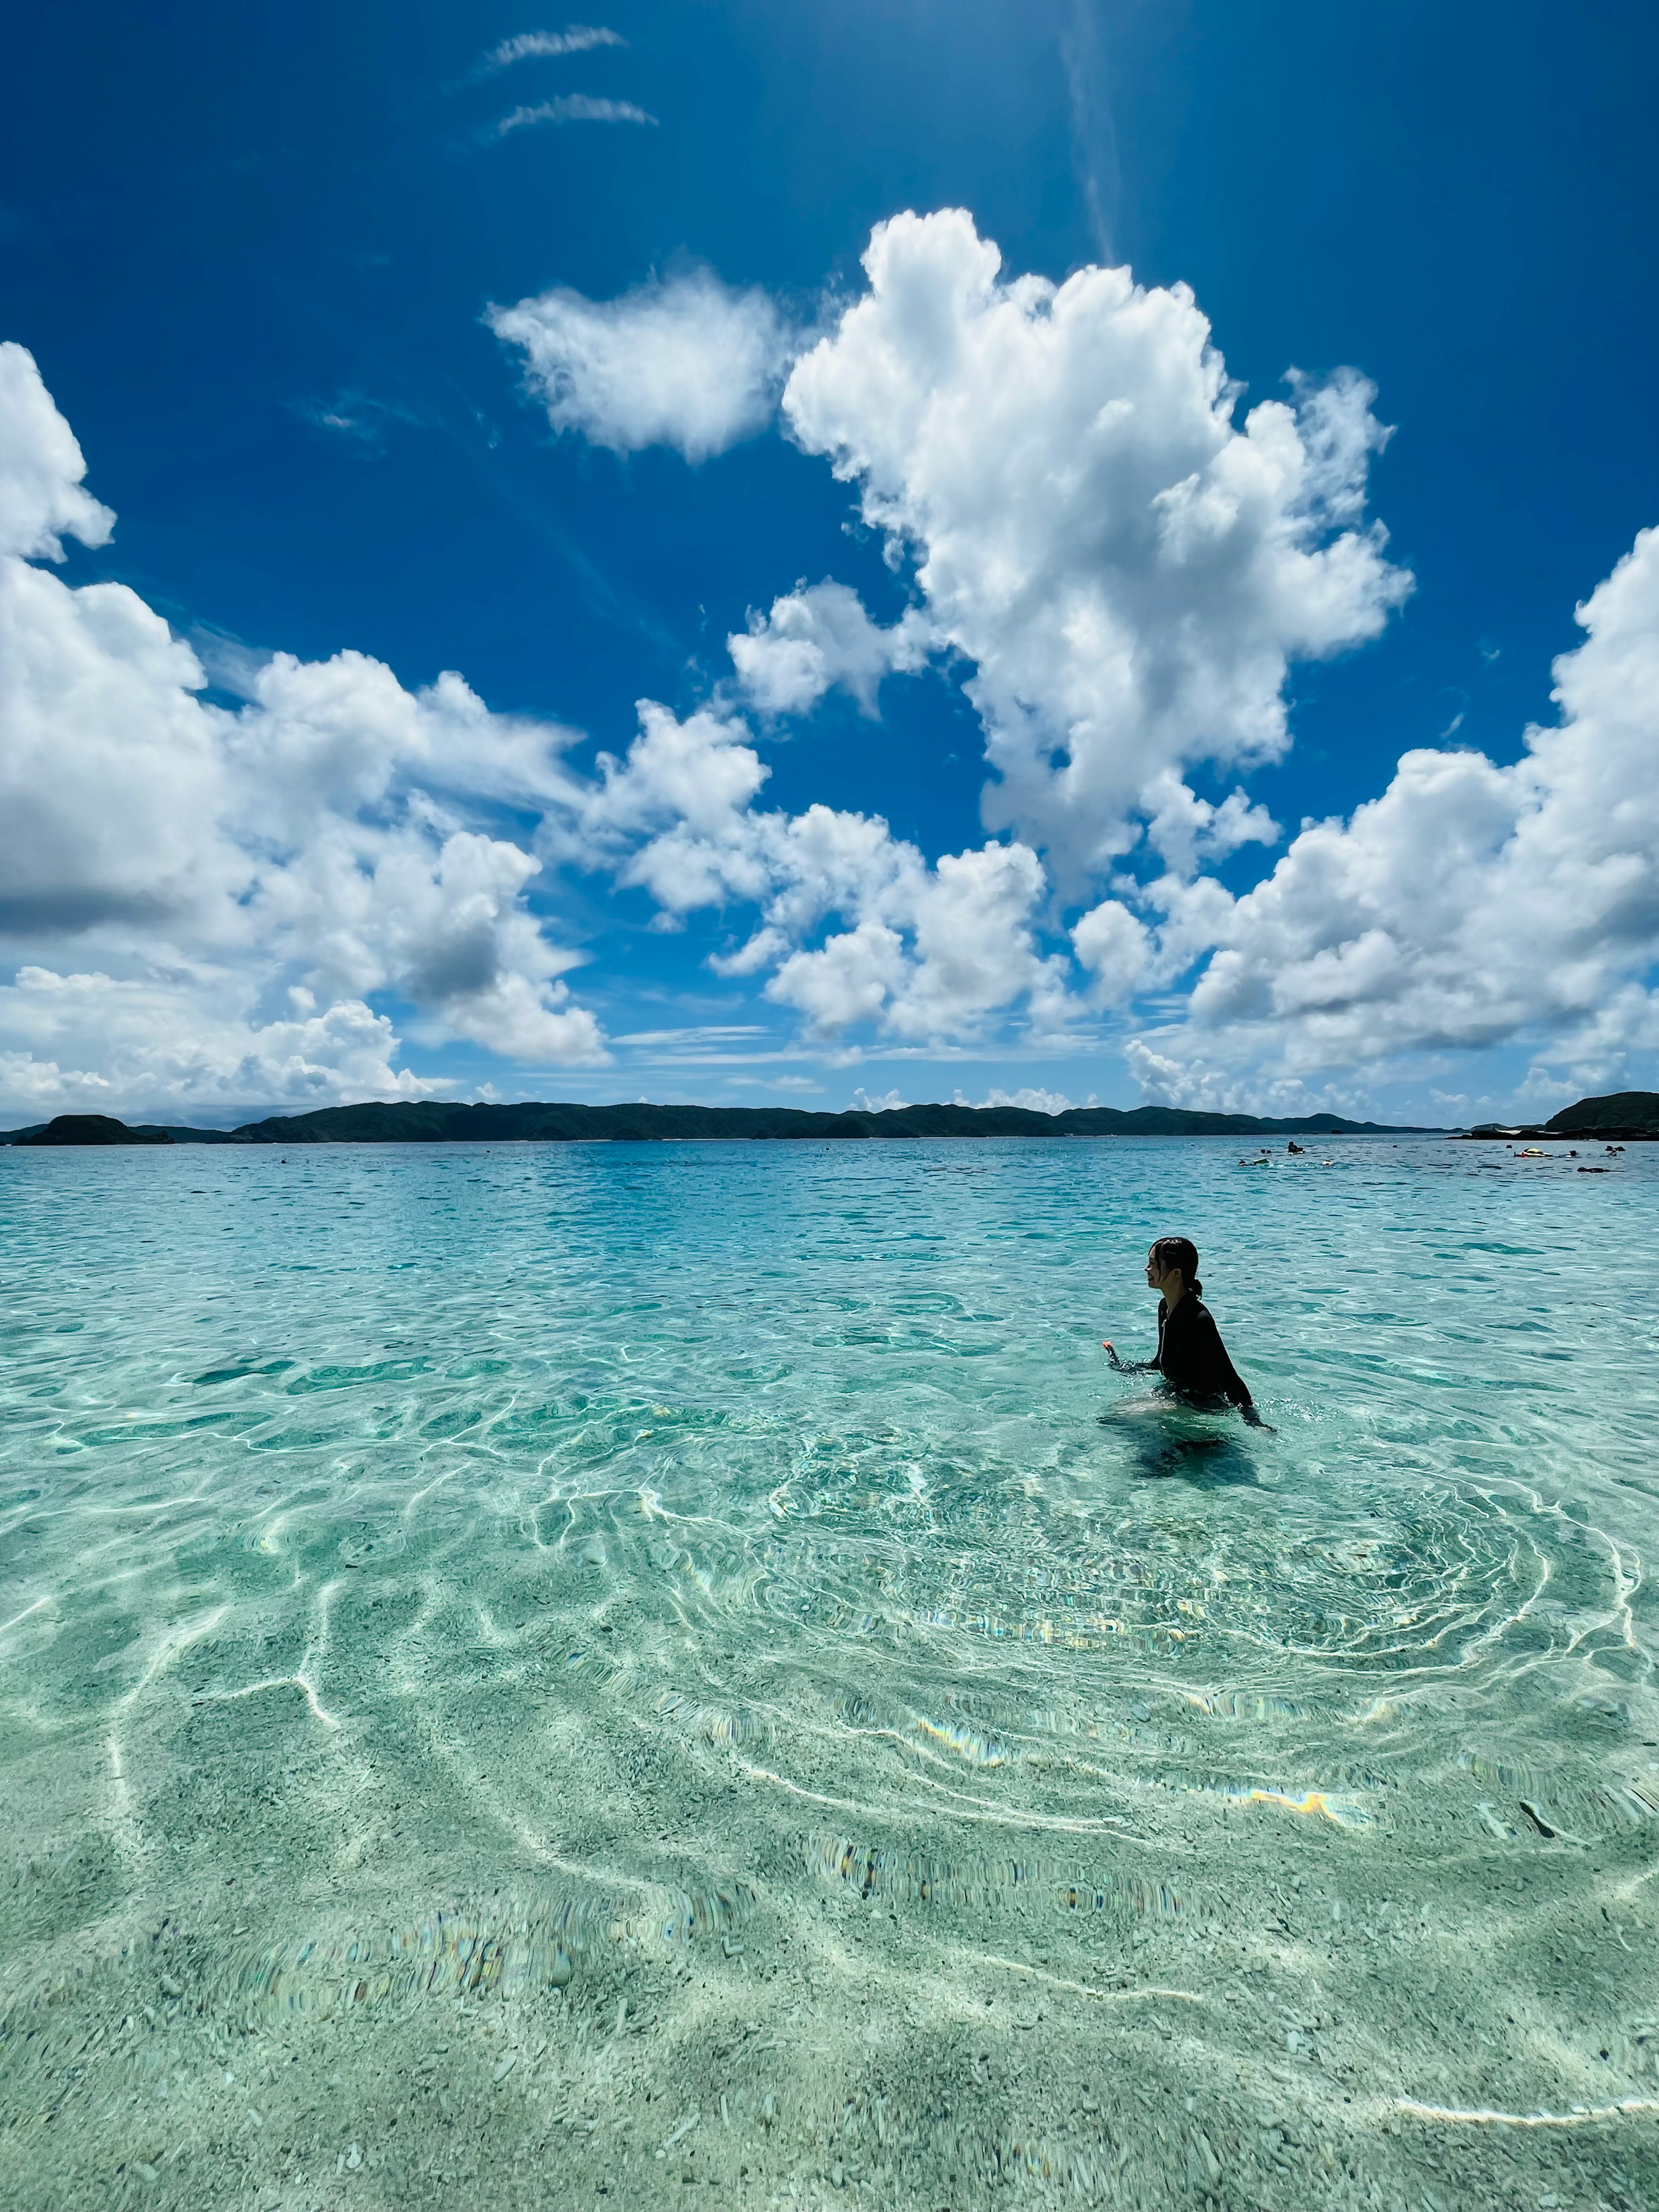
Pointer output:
505, 1651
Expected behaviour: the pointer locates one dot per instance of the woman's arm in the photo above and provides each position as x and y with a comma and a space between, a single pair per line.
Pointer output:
1128, 1366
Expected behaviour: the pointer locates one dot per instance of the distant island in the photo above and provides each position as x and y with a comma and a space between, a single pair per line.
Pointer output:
431, 1123
1624, 1116
90, 1129
1627, 1115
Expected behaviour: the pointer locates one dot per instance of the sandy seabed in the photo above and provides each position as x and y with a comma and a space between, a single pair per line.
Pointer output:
623, 1782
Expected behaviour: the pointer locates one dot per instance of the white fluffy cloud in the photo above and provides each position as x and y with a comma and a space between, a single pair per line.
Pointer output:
970, 952
1031, 1098
816, 637
1131, 575
686, 362
1185, 830
1469, 905
325, 839
924, 953
42, 499
1117, 949
1186, 1079
176, 1045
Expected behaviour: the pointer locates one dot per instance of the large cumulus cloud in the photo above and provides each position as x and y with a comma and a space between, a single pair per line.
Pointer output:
1129, 573
1468, 905
258, 873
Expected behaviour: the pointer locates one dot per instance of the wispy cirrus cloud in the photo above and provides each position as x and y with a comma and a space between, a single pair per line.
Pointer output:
363, 420
567, 107
538, 45
573, 108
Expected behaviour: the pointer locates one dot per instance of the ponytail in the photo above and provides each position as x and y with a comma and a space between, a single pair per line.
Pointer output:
1180, 1252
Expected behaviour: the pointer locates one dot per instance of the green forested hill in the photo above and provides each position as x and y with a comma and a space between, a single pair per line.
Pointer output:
429, 1123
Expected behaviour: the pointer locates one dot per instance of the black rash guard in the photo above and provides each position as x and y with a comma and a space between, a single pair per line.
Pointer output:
1191, 1357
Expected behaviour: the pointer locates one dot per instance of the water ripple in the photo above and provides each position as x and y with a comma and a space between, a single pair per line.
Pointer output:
712, 1600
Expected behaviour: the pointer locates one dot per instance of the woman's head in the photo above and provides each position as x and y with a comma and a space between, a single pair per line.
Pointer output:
1177, 1253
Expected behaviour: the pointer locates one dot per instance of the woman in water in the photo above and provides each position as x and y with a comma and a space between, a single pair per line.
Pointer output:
1191, 1357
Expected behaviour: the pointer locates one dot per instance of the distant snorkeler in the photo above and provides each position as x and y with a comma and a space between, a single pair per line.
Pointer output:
1191, 1357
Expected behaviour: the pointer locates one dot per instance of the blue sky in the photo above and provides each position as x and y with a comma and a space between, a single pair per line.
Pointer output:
252, 259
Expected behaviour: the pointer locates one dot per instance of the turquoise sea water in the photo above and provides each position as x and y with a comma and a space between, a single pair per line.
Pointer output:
627, 1674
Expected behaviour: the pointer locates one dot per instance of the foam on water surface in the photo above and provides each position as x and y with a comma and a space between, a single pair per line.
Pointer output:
612, 1670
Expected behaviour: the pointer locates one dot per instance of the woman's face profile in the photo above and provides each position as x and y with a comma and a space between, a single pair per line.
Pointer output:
1157, 1273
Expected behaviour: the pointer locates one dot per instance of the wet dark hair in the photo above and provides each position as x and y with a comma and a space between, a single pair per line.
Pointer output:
1179, 1252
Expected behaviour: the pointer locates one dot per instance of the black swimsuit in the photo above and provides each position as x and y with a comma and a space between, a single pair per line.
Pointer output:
1191, 1357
